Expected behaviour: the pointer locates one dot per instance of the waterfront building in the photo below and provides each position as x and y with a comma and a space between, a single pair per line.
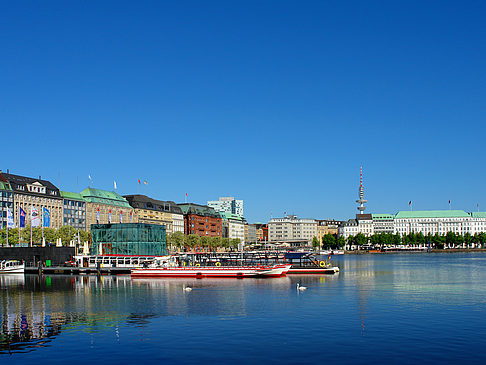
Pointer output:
31, 192
291, 230
233, 226
6, 200
250, 233
201, 220
227, 205
73, 210
383, 223
261, 232
128, 239
104, 206
440, 221
152, 211
348, 228
327, 226
365, 224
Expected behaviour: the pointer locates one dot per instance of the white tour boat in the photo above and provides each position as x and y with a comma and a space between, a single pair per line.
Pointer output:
11, 267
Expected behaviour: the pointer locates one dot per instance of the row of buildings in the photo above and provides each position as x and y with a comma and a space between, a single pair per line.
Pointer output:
222, 218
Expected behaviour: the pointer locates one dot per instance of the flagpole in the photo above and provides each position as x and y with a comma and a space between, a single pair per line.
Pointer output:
7, 230
19, 223
31, 225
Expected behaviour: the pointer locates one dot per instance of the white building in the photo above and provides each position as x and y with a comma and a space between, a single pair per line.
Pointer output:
233, 226
440, 221
383, 223
227, 205
348, 228
291, 230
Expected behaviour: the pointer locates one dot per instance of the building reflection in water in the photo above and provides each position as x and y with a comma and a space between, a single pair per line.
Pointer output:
35, 309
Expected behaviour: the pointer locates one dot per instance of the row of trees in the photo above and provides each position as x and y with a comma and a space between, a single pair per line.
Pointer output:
65, 233
179, 241
382, 239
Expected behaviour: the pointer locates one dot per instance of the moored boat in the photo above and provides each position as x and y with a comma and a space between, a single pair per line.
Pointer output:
11, 267
212, 271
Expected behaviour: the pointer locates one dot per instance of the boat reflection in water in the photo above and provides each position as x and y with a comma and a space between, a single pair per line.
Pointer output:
36, 309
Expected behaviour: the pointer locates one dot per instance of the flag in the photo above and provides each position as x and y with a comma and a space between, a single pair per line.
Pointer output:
109, 216
121, 216
329, 257
98, 216
130, 217
145, 182
449, 201
114, 184
46, 217
21, 218
34, 217
10, 219
139, 181
89, 177
186, 195
410, 202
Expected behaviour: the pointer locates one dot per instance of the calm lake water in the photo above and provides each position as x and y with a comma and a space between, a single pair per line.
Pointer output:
409, 308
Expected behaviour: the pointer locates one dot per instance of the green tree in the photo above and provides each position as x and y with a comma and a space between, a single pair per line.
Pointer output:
328, 240
450, 238
193, 240
361, 239
315, 242
340, 242
66, 234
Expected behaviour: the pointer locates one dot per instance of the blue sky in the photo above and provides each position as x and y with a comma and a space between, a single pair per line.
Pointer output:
276, 103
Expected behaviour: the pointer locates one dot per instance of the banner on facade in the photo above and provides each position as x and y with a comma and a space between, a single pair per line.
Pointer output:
109, 216
121, 216
34, 217
46, 217
10, 219
131, 215
22, 215
98, 216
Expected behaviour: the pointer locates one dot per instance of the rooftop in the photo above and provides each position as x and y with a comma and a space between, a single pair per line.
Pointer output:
93, 195
432, 214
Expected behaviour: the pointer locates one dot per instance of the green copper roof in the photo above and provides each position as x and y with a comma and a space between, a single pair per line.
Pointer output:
378, 217
93, 195
72, 196
478, 214
432, 214
202, 210
226, 215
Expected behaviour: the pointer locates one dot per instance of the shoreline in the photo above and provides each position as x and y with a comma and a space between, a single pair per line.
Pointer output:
455, 250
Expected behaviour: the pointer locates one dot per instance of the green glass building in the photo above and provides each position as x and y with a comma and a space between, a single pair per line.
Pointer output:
128, 239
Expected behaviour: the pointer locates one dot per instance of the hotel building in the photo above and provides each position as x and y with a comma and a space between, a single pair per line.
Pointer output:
152, 211
292, 230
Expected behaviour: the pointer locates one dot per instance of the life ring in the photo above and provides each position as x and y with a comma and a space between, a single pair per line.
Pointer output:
197, 265
322, 263
218, 263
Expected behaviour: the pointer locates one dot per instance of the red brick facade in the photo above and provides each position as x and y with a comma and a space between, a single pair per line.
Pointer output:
202, 225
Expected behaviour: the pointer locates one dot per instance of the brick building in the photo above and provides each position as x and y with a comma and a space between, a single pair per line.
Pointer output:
201, 220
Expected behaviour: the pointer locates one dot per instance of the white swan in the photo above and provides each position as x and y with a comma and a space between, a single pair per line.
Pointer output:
301, 287
186, 288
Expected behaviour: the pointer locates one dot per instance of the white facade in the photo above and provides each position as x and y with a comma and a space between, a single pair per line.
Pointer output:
177, 223
348, 228
441, 222
291, 228
227, 205
236, 229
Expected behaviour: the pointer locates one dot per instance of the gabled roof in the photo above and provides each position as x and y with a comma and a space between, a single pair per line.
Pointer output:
432, 214
144, 202
93, 195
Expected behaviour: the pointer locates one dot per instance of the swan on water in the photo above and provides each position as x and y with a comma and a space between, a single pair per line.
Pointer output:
186, 288
301, 287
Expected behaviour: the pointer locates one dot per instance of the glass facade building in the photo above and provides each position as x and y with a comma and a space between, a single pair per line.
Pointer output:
128, 239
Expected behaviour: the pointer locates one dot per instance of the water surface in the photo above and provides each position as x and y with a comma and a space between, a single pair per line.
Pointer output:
403, 308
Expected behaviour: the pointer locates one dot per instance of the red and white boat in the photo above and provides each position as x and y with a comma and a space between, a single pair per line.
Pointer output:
212, 271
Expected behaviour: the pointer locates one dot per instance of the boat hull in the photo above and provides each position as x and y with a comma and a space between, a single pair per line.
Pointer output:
212, 272
311, 270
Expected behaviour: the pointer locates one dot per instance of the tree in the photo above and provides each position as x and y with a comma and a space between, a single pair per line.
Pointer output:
66, 234
315, 242
340, 242
361, 239
193, 240
450, 238
328, 240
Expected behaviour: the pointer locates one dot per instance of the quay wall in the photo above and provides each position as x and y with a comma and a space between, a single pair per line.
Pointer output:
33, 255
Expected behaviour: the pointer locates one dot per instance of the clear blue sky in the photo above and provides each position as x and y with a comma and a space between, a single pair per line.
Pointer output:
276, 103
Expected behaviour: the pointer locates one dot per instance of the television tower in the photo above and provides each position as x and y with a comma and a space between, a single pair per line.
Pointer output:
361, 199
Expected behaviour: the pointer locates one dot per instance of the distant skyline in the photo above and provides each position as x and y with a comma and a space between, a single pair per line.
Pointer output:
274, 103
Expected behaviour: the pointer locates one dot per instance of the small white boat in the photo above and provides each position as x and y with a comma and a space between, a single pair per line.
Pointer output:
11, 267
